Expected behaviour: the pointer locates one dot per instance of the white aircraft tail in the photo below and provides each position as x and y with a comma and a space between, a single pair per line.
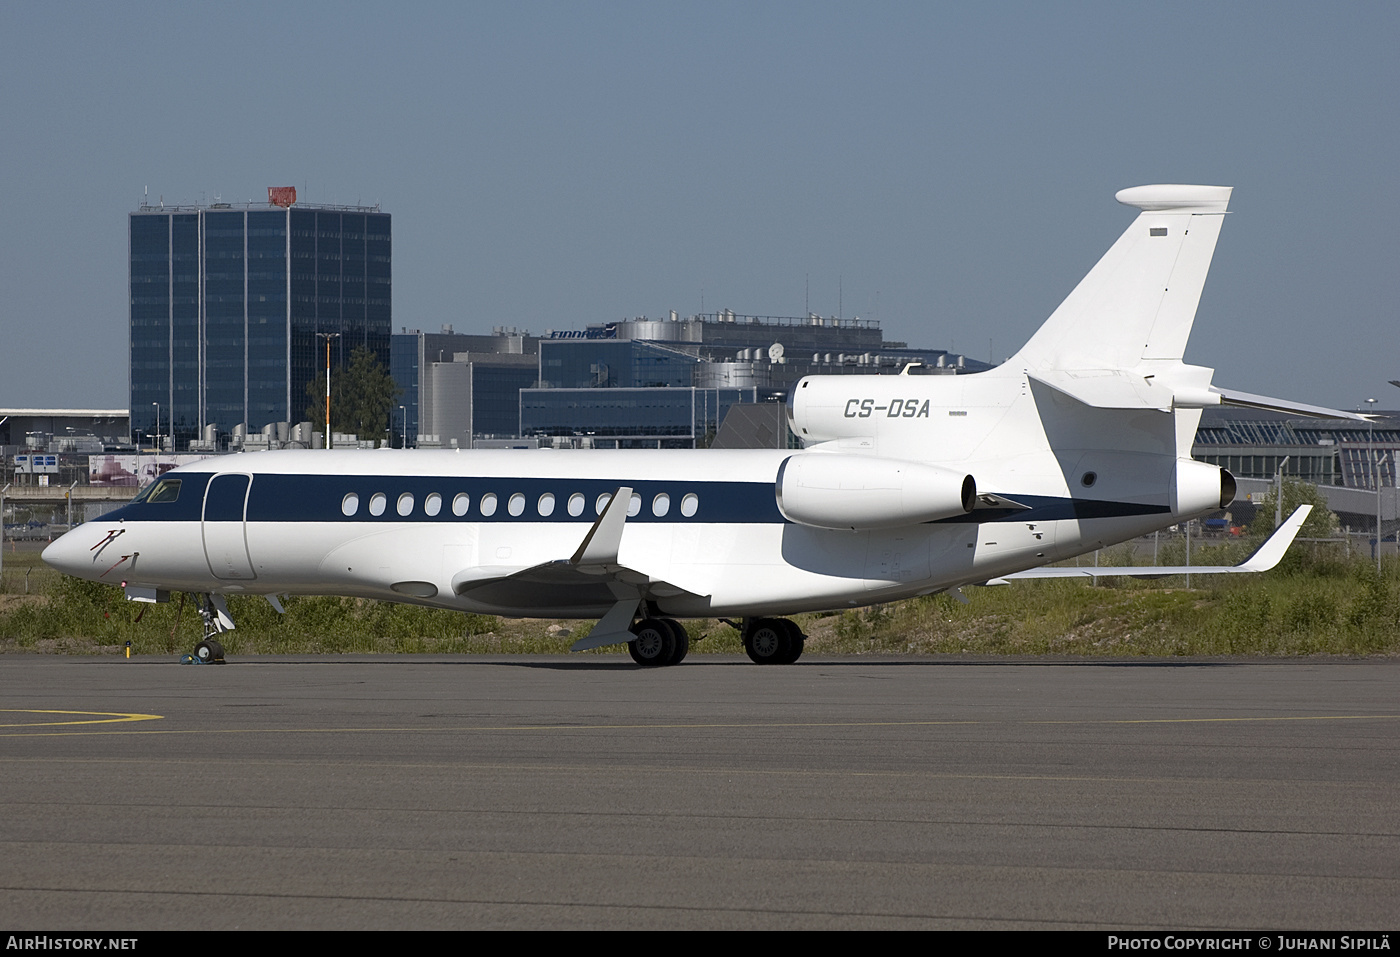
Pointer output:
1138, 303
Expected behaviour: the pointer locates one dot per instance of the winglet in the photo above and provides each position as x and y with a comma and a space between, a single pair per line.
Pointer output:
601, 544
1269, 554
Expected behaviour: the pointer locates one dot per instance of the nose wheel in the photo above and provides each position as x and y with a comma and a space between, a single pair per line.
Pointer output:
214, 612
209, 652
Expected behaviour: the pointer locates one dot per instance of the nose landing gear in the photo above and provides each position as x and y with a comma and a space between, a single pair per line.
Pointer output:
214, 612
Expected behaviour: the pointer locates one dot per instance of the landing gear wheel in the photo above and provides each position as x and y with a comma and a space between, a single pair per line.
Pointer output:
796, 641
682, 640
655, 644
209, 652
768, 642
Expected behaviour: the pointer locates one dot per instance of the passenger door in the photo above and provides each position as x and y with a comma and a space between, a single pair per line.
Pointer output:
225, 541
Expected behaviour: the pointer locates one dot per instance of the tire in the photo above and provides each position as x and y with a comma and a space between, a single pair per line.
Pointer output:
655, 644
767, 642
796, 641
682, 640
209, 652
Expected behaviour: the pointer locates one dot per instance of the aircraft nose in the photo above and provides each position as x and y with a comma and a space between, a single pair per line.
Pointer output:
73, 552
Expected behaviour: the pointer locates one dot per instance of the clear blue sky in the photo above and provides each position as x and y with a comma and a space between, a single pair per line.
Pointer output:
948, 169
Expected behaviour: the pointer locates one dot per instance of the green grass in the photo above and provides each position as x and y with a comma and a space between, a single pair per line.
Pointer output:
1316, 602
1320, 604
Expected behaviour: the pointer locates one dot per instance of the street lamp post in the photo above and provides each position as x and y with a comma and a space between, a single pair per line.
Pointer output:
1278, 493
2, 529
328, 336
157, 405
1376, 477
403, 436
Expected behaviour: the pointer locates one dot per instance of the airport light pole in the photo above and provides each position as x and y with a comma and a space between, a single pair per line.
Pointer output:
403, 436
2, 528
1376, 476
328, 336
157, 449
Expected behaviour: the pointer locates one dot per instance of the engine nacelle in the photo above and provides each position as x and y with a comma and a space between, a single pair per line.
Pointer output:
837, 490
1199, 487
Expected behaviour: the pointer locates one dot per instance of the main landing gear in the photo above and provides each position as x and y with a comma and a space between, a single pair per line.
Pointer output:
659, 641
772, 641
768, 641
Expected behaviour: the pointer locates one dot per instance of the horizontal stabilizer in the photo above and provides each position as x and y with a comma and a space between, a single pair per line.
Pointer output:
1265, 557
1248, 400
1107, 389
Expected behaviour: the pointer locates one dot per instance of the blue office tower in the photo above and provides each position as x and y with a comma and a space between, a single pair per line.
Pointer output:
227, 301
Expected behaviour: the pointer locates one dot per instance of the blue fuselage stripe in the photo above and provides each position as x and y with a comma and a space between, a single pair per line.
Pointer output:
278, 497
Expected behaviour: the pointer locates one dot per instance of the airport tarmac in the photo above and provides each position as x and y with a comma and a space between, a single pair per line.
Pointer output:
860, 792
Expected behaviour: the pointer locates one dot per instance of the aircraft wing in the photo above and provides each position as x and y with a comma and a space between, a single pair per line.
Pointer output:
592, 578
1265, 557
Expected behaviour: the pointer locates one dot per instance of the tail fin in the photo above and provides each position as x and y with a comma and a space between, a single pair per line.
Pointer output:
1139, 302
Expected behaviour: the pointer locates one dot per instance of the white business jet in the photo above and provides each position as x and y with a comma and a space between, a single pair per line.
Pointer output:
906, 485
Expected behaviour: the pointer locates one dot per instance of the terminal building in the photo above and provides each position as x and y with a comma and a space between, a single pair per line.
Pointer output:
456, 388
226, 304
1347, 460
637, 383
671, 383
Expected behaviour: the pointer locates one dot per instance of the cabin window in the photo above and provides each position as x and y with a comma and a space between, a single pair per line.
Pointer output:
634, 505
166, 490
432, 504
602, 502
661, 505
377, 501
576, 503
488, 504
350, 504
406, 504
546, 504
690, 504
460, 503
516, 504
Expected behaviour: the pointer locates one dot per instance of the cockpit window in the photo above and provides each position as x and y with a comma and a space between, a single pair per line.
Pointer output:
166, 490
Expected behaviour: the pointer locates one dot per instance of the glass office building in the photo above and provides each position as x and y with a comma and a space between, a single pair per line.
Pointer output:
613, 364
630, 418
226, 302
